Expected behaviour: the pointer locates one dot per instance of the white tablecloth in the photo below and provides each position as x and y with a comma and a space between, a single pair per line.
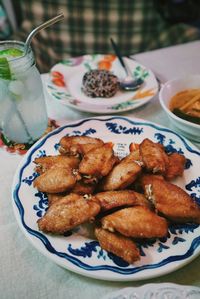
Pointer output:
25, 273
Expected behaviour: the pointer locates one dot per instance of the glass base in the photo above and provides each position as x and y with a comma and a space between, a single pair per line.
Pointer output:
21, 148
10, 143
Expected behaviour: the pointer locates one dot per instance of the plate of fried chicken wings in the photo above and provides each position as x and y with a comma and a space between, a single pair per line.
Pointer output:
113, 198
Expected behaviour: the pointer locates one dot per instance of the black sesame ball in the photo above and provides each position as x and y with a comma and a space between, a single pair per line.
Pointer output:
100, 83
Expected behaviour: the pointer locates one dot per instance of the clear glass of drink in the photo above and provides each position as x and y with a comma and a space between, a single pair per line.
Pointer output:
23, 116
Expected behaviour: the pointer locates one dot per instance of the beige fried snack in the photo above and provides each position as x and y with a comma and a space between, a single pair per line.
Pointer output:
136, 222
171, 201
73, 145
122, 175
55, 180
175, 167
113, 199
98, 162
45, 163
118, 245
153, 156
67, 213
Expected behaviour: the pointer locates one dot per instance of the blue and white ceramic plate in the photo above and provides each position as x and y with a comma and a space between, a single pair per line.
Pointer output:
65, 82
79, 252
157, 291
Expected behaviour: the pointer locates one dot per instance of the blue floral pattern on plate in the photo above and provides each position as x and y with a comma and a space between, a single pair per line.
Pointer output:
78, 252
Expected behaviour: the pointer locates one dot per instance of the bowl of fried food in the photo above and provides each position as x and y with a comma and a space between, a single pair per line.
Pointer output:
180, 99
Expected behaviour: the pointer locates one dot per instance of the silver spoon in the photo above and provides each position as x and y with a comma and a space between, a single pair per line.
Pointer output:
40, 27
129, 82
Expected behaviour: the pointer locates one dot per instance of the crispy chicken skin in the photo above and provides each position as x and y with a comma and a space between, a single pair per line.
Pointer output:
171, 201
113, 199
98, 162
146, 179
67, 213
132, 156
54, 197
118, 245
136, 156
175, 167
79, 188
73, 145
55, 180
136, 222
45, 163
122, 175
83, 188
153, 156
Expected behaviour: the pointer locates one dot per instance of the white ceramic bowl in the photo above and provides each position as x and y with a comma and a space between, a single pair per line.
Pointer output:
167, 91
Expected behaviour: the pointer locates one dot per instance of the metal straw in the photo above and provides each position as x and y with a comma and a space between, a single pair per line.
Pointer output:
40, 27
27, 45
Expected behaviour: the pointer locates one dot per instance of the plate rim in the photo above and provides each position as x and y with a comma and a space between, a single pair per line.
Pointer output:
150, 286
88, 272
48, 83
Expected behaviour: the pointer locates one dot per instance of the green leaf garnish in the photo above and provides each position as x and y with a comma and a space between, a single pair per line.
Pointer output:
5, 72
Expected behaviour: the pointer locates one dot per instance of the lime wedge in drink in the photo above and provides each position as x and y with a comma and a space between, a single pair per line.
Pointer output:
11, 53
5, 56
5, 72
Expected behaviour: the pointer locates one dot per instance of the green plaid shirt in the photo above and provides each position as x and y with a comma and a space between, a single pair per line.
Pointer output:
88, 25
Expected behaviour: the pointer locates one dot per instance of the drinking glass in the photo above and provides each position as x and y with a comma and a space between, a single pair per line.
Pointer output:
23, 116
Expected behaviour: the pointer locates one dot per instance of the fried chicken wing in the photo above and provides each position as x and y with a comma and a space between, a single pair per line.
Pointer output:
55, 180
122, 175
45, 163
172, 201
176, 166
73, 145
67, 213
153, 156
98, 162
136, 222
118, 245
113, 199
